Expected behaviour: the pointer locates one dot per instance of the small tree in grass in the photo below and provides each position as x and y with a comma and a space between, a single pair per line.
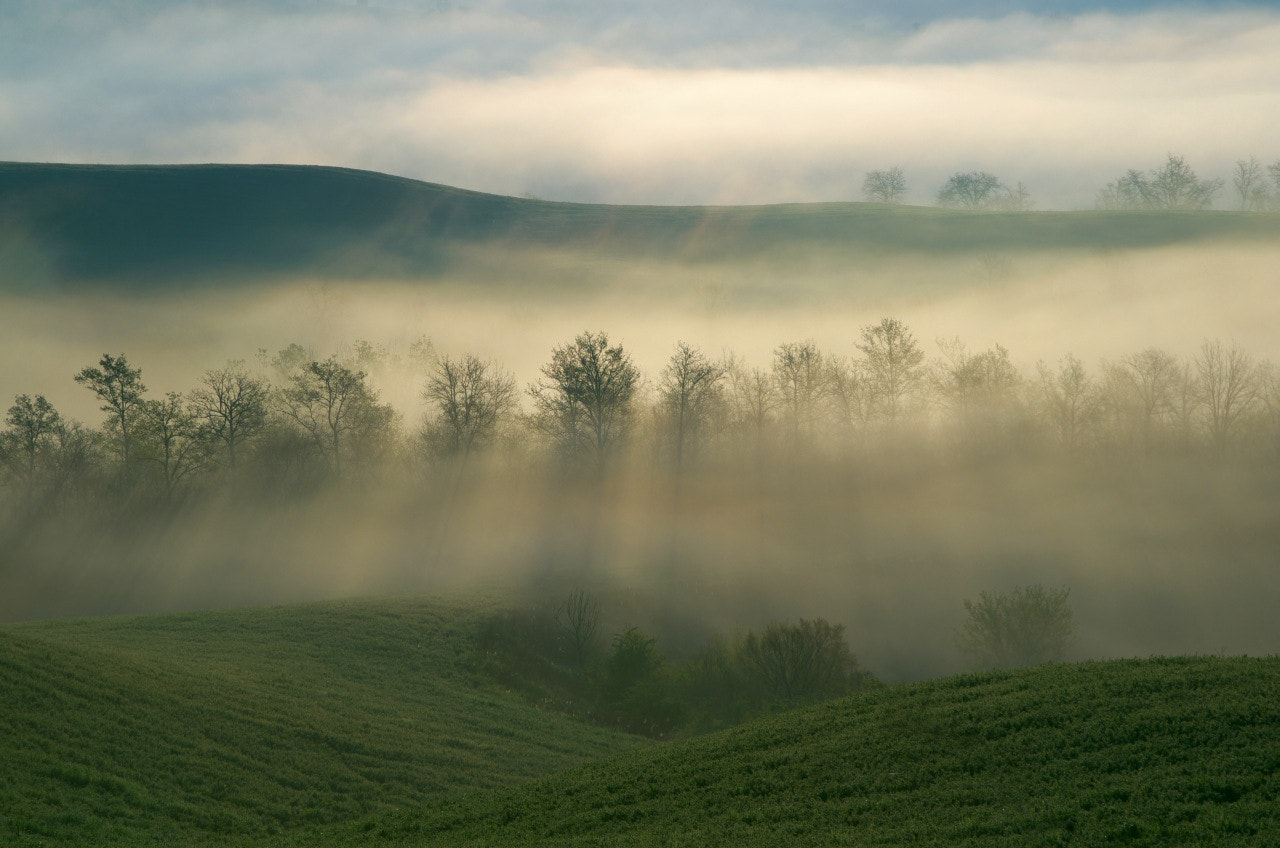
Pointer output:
578, 619
798, 663
1025, 626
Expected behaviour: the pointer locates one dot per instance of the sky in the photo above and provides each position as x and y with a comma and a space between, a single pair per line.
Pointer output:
666, 102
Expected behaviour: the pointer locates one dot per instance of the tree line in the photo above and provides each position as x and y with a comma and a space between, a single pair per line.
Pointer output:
1174, 186
297, 421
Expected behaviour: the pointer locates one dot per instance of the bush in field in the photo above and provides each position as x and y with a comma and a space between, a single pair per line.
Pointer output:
800, 663
637, 691
549, 656
1028, 625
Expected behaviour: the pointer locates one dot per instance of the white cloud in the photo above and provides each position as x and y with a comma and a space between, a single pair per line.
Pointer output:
511, 103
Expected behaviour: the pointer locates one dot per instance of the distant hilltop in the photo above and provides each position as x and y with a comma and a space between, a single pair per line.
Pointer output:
163, 226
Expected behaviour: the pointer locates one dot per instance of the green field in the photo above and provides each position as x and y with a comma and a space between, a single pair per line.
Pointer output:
75, 226
194, 729
1157, 752
366, 723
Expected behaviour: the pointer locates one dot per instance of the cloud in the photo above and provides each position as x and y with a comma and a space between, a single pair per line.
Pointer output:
716, 105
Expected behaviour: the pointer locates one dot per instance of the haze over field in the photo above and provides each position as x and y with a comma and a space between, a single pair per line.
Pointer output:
654, 103
1165, 555
666, 104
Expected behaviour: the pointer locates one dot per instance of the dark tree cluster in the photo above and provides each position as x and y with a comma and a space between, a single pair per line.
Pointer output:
559, 660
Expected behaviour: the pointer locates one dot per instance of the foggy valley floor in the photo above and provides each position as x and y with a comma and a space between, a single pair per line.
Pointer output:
1164, 558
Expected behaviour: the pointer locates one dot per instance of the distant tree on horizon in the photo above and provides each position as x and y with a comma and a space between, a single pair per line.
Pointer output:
1172, 187
983, 191
886, 186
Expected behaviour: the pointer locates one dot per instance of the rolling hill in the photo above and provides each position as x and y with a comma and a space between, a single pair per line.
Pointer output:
68, 227
365, 722
1159, 752
204, 727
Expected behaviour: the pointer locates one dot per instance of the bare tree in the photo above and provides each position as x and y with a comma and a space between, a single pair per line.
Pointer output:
337, 411
971, 190
231, 406
894, 364
889, 186
849, 395
469, 398
752, 400
1250, 183
801, 379
584, 401
120, 388
1269, 391
690, 397
794, 663
579, 620
978, 390
1025, 626
1071, 402
1016, 199
1140, 391
172, 439
1227, 387
1171, 187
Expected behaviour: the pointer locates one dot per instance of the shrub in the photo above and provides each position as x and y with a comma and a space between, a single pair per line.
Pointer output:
1028, 625
798, 663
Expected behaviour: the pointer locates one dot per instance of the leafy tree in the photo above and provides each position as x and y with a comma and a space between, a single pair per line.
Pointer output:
231, 406
120, 388
690, 397
584, 401
633, 658
469, 399
32, 428
1025, 626
889, 186
797, 663
893, 362
1171, 187
637, 692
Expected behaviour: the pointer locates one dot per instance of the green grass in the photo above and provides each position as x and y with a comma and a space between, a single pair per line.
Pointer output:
140, 227
365, 722
1157, 752
194, 729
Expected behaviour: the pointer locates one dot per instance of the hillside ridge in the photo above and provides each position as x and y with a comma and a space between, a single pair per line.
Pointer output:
67, 226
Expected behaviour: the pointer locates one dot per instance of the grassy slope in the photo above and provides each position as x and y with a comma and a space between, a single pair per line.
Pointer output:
194, 728
1158, 752
69, 225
